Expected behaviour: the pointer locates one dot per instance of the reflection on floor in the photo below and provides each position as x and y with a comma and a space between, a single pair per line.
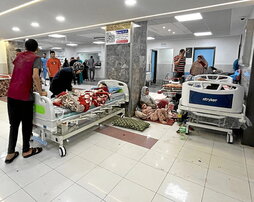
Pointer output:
98, 167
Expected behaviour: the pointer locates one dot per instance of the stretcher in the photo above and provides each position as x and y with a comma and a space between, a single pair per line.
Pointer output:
213, 105
58, 124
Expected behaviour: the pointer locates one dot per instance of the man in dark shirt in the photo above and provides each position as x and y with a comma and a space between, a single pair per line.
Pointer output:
62, 80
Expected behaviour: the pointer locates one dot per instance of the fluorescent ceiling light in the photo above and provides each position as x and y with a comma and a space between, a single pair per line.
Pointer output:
19, 7
203, 33
240, 2
60, 18
71, 44
56, 35
98, 42
150, 38
130, 2
35, 24
189, 17
15, 29
56, 48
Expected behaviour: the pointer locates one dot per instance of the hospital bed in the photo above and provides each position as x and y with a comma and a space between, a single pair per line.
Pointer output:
58, 124
213, 105
213, 77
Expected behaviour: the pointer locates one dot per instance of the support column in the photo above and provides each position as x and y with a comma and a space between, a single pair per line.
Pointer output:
127, 63
3, 58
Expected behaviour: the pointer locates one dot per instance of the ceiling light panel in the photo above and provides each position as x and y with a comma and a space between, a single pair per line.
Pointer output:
15, 29
203, 33
56, 48
189, 17
71, 44
60, 18
56, 35
150, 38
35, 24
99, 42
130, 2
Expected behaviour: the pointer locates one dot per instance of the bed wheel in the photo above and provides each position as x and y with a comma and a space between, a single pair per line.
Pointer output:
62, 151
230, 138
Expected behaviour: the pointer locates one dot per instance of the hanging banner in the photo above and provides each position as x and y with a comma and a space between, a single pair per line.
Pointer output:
118, 34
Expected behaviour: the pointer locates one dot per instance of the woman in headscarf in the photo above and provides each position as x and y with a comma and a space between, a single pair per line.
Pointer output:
199, 66
146, 98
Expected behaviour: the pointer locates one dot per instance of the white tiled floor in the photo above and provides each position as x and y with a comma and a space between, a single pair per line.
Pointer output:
97, 168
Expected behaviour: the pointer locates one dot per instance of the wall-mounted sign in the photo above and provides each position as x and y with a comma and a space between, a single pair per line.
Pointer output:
118, 34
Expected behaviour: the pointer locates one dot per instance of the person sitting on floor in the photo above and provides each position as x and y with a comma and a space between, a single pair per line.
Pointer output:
146, 98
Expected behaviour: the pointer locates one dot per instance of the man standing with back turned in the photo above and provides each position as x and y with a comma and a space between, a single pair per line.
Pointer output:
20, 99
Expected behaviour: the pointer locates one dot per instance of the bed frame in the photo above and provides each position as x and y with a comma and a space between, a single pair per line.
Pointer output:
214, 77
61, 128
213, 107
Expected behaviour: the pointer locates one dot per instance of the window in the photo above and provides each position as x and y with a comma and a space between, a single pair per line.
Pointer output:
208, 53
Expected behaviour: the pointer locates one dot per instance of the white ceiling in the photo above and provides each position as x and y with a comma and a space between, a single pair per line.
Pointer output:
80, 13
221, 23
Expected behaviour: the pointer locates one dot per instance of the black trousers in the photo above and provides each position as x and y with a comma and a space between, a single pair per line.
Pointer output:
92, 71
20, 112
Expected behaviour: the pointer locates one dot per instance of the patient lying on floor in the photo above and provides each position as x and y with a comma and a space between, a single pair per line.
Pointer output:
154, 114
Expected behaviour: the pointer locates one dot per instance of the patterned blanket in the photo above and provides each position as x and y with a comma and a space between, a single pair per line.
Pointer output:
4, 85
81, 101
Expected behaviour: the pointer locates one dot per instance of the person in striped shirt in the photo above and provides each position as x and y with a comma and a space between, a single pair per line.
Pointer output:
179, 62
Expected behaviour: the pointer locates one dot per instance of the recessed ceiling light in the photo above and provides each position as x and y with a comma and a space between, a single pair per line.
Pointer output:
203, 33
150, 38
98, 42
173, 32
71, 44
56, 35
35, 24
15, 29
189, 17
164, 27
60, 18
56, 48
103, 28
169, 30
130, 2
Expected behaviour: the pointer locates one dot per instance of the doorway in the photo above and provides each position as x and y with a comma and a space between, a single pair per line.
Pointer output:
154, 65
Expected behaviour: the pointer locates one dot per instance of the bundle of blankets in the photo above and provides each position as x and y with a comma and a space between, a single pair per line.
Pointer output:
81, 101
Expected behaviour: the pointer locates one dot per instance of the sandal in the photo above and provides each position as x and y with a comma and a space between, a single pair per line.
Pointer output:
35, 151
7, 161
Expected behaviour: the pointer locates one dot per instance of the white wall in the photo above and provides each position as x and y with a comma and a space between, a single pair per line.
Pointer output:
226, 50
3, 58
73, 52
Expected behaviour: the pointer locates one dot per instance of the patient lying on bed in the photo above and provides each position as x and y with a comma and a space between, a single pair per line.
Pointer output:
81, 101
